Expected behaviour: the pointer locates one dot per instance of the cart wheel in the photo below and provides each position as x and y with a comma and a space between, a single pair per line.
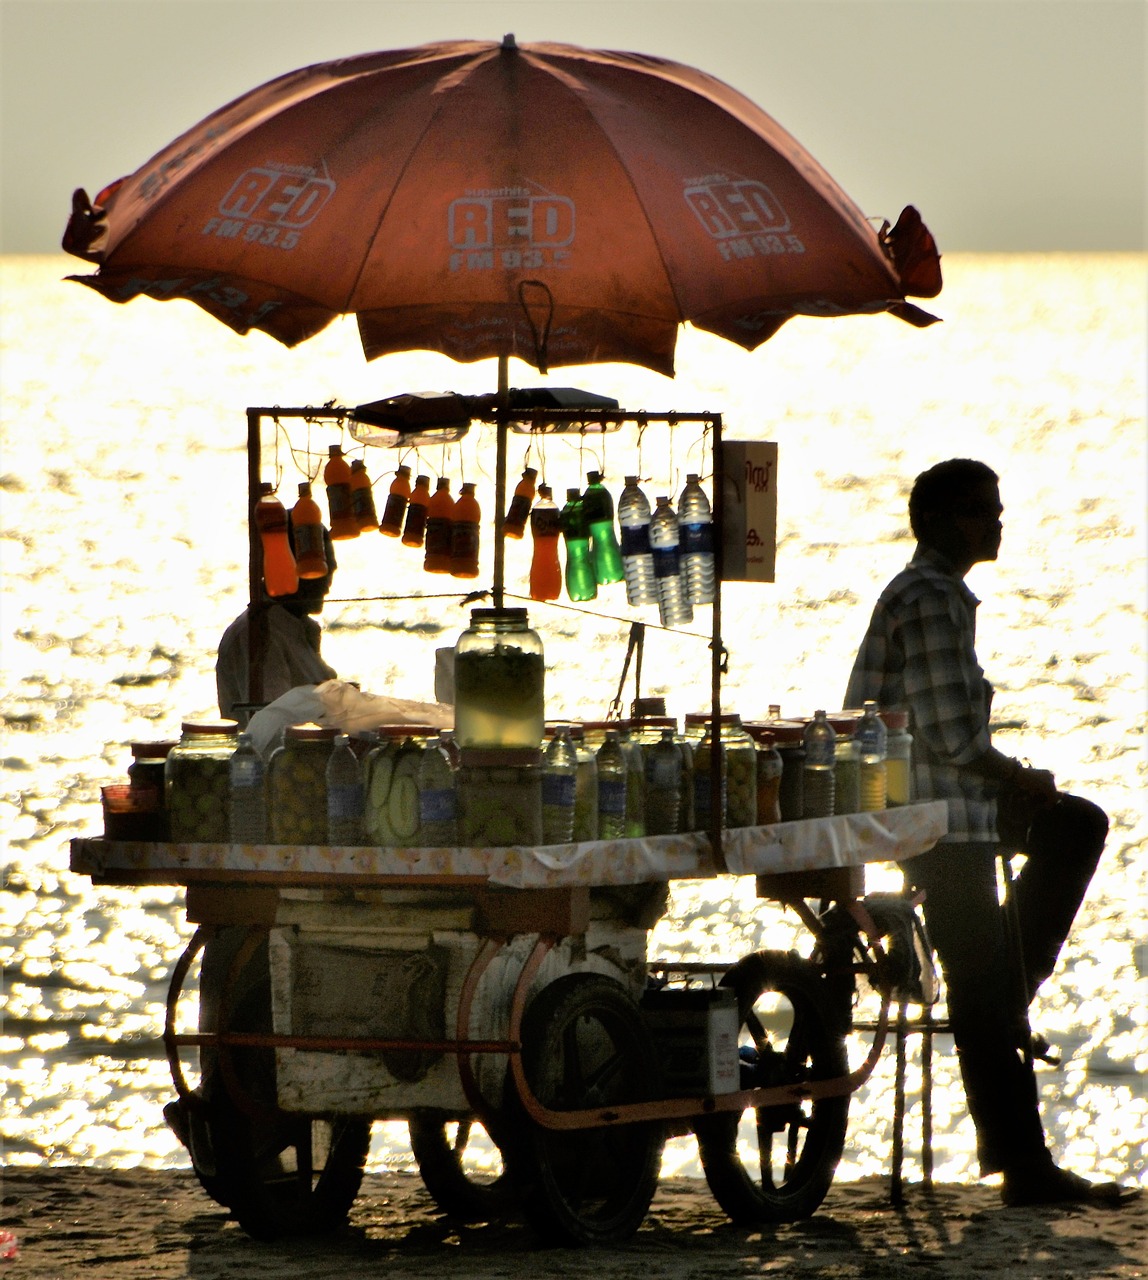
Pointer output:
280, 1174
776, 1164
584, 1045
463, 1173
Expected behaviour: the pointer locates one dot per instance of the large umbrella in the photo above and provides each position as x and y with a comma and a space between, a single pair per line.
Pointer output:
562, 205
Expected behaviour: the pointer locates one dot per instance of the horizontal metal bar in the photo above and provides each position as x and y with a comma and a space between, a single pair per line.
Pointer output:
355, 1044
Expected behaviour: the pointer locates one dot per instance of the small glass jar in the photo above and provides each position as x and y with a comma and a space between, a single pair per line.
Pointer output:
197, 782
297, 785
499, 676
789, 739
898, 758
585, 786
499, 797
147, 769
740, 773
709, 757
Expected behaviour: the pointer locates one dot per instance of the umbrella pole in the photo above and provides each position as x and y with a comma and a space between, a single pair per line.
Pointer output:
500, 477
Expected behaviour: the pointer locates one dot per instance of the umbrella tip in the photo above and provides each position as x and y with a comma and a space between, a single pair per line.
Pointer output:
509, 44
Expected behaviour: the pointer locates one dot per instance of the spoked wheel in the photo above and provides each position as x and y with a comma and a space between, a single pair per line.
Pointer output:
280, 1174
461, 1168
584, 1045
776, 1164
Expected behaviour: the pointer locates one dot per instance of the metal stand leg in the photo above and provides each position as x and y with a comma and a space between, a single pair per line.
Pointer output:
896, 1185
927, 1095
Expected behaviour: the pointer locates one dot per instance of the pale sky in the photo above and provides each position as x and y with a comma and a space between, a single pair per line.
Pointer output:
1013, 125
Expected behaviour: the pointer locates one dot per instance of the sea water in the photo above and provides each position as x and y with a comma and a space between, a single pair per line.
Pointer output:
124, 558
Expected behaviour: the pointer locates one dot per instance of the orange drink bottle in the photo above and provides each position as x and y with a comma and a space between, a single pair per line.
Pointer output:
464, 534
392, 522
545, 568
337, 478
515, 521
362, 498
280, 575
416, 524
307, 527
440, 511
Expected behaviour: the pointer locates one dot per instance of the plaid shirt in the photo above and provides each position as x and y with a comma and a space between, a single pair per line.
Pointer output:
919, 653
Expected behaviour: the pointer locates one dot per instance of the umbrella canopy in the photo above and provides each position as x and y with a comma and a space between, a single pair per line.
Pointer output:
562, 205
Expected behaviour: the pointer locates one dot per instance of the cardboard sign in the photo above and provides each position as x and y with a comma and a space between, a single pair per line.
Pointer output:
749, 519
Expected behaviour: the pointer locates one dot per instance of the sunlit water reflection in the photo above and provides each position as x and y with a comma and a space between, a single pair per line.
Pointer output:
124, 559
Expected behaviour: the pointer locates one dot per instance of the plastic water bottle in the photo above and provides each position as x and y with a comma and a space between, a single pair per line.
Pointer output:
611, 788
695, 521
248, 795
585, 791
635, 760
581, 583
344, 794
870, 737
604, 550
820, 765
637, 558
663, 786
438, 825
709, 755
675, 610
558, 787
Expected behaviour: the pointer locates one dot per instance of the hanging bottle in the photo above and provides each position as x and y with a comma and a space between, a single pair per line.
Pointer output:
870, 738
820, 762
695, 522
280, 574
248, 796
675, 610
391, 525
611, 788
307, 530
344, 794
440, 509
515, 523
337, 478
416, 523
605, 554
362, 497
637, 558
545, 530
559, 772
464, 528
580, 581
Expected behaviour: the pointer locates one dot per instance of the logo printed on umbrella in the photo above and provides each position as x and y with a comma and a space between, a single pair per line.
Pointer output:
271, 204
510, 227
742, 216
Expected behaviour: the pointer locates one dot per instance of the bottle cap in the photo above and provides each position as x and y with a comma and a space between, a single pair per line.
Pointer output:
571, 494
468, 487
530, 473
404, 470
632, 480
595, 477
304, 489
357, 464
544, 491
498, 615
692, 476
266, 486
335, 450
419, 479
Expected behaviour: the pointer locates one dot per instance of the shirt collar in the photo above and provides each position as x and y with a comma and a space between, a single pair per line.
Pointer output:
934, 564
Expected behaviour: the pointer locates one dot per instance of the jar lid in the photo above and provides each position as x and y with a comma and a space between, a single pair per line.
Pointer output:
204, 727
843, 723
645, 707
703, 718
895, 719
787, 732
310, 732
498, 757
498, 615
152, 750
407, 730
763, 734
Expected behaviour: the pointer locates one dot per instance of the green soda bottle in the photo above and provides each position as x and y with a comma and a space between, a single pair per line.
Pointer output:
580, 581
604, 549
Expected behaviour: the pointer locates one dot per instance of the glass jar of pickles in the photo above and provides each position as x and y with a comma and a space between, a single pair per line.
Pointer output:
740, 773
197, 785
769, 769
499, 797
297, 785
898, 758
147, 769
499, 674
391, 777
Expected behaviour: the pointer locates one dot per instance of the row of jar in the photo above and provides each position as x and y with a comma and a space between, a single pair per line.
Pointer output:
408, 786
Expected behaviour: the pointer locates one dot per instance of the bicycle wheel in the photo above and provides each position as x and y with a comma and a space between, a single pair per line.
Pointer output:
585, 1045
463, 1173
280, 1174
775, 1164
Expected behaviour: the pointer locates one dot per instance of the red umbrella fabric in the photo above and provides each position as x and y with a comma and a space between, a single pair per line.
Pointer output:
562, 205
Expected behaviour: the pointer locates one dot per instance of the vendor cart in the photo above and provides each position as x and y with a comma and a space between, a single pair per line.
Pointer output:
511, 988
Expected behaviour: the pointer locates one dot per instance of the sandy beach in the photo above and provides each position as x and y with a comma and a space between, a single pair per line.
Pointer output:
158, 1225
